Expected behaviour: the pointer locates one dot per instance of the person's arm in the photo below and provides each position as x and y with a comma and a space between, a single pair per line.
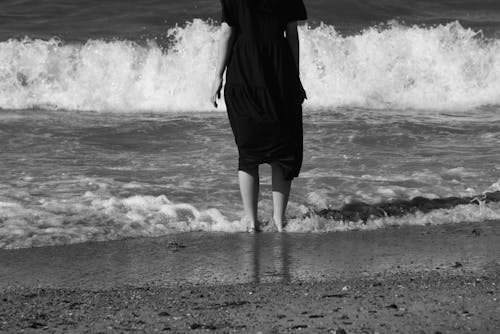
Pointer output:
226, 41
292, 36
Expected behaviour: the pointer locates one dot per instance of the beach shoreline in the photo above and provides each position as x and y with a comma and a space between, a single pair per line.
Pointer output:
120, 204
416, 279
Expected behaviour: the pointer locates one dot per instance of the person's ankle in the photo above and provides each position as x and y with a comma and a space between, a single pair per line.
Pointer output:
252, 224
278, 223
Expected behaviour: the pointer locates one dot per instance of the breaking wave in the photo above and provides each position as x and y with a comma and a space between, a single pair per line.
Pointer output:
394, 66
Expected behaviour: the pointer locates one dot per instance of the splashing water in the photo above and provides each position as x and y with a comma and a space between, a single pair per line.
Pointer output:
442, 67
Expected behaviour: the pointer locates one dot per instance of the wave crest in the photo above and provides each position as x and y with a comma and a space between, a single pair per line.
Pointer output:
399, 67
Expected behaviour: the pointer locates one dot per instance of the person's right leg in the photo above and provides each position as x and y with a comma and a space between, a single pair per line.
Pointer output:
281, 192
249, 188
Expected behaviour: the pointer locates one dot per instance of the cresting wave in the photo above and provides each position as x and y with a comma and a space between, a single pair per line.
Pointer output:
400, 67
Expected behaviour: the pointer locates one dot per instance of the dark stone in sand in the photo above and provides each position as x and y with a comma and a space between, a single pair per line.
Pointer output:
37, 325
201, 326
231, 304
298, 327
476, 232
41, 316
335, 295
316, 316
457, 265
175, 245
164, 314
393, 306
74, 305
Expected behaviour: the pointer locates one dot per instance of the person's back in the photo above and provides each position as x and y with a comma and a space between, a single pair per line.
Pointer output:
261, 54
257, 21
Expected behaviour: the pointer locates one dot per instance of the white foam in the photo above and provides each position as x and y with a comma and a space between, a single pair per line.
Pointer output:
443, 67
112, 76
94, 217
459, 214
494, 187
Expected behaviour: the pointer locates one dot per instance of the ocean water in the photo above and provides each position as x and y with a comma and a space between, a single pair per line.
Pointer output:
106, 131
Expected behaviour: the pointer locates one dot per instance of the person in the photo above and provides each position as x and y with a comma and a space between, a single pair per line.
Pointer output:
259, 51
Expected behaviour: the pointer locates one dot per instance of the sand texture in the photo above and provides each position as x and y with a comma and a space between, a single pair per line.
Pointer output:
448, 301
437, 291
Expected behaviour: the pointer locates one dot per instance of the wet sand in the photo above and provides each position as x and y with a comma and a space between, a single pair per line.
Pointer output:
409, 280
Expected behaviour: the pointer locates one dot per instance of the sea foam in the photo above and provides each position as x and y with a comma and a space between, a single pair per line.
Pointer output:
99, 217
395, 66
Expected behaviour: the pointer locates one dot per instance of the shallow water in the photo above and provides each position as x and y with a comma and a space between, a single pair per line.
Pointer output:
71, 177
215, 258
106, 132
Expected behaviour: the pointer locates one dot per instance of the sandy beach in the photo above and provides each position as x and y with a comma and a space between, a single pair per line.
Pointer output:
120, 201
439, 279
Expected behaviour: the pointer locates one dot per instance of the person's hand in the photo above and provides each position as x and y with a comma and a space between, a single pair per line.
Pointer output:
303, 95
215, 91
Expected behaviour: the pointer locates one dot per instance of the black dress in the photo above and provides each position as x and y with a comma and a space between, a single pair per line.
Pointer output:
263, 92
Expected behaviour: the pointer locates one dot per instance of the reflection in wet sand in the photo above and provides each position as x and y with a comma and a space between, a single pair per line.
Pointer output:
214, 259
276, 263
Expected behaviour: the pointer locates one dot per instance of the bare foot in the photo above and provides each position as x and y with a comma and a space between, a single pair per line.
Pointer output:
252, 226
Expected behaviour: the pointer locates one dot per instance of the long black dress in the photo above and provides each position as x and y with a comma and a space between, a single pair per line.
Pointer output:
263, 92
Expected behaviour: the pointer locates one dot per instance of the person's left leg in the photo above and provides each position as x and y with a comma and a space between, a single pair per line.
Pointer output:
249, 188
281, 192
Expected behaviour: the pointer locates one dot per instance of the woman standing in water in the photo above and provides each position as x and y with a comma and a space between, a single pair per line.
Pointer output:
259, 47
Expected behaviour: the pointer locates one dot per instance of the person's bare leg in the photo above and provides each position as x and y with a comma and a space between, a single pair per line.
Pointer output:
281, 192
249, 188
